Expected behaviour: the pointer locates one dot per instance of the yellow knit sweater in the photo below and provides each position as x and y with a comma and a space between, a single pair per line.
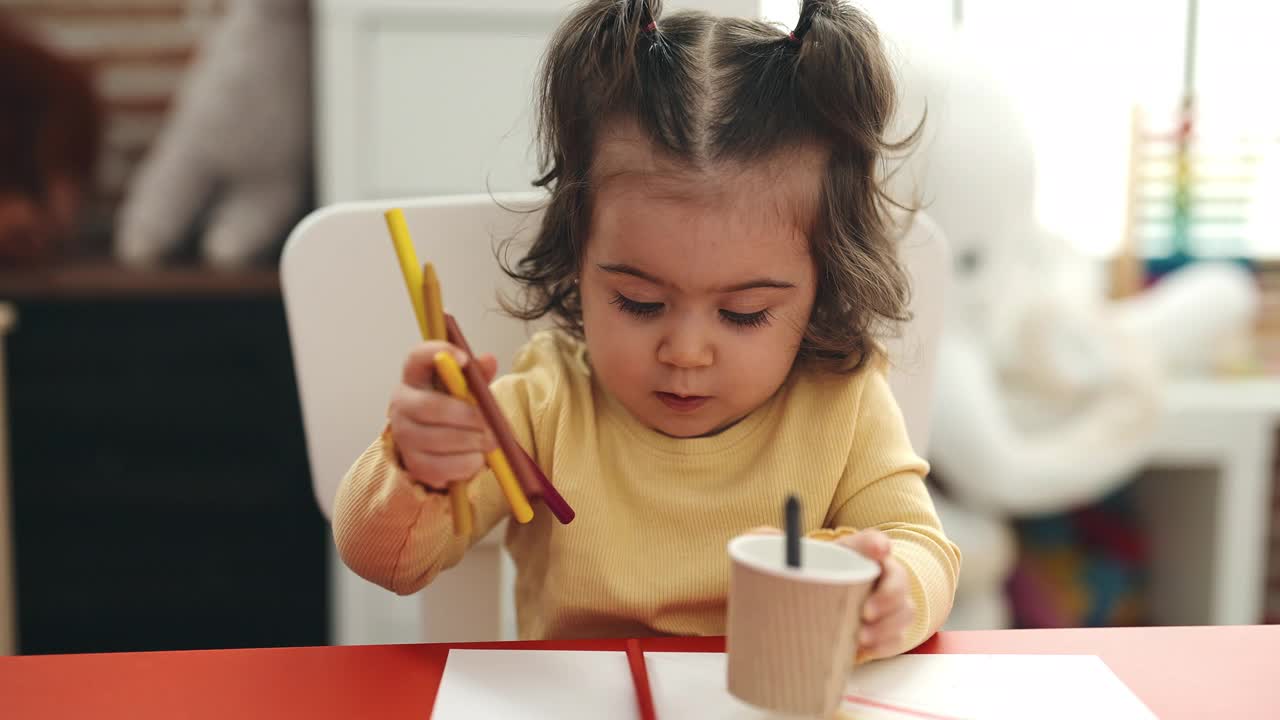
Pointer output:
646, 553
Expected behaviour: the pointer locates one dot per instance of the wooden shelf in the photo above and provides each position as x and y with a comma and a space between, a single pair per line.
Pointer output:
104, 279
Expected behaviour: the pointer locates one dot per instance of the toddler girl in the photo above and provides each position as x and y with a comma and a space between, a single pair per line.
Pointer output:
716, 251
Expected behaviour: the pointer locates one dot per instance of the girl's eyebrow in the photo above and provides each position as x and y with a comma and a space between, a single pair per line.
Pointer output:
624, 269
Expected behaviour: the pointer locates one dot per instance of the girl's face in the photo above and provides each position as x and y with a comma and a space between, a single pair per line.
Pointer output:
696, 287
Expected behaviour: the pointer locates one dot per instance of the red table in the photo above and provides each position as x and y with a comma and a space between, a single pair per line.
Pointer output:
1203, 672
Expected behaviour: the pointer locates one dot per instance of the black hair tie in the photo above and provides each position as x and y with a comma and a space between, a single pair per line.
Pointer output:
807, 11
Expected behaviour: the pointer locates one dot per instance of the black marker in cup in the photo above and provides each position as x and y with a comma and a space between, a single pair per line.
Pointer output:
793, 531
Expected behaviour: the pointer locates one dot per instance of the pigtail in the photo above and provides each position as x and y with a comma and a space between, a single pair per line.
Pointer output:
845, 81
616, 58
666, 95
807, 10
842, 74
610, 58
590, 61
828, 82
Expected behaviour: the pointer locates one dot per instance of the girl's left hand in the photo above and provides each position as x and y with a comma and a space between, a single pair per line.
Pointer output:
888, 611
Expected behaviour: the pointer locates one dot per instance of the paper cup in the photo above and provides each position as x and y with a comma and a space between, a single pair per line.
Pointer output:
792, 631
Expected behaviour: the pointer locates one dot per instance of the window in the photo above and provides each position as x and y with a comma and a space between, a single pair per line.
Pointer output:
1086, 70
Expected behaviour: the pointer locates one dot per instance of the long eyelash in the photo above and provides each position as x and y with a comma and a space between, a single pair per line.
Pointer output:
639, 309
747, 320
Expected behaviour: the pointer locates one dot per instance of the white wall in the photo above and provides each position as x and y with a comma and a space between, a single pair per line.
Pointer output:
432, 97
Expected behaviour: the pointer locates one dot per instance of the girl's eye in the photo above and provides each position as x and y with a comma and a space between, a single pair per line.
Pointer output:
747, 320
632, 307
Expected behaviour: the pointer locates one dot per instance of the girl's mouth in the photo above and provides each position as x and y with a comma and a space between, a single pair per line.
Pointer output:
682, 403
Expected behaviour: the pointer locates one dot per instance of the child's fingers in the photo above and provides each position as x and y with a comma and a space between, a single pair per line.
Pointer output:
873, 544
438, 439
420, 366
428, 407
882, 638
890, 592
439, 471
488, 366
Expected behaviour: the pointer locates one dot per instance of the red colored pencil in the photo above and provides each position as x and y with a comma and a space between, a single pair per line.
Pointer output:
640, 677
528, 472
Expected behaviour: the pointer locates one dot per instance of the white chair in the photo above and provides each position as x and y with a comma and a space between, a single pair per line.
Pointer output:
350, 324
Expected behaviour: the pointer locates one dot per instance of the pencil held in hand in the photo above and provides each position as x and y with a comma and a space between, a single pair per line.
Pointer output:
509, 462
433, 303
409, 266
428, 308
451, 374
527, 472
433, 316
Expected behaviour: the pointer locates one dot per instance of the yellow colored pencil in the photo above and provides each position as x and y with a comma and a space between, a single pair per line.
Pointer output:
449, 371
432, 304
433, 312
424, 293
409, 266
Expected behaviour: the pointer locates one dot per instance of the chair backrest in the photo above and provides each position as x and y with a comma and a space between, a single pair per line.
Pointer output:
351, 324
350, 321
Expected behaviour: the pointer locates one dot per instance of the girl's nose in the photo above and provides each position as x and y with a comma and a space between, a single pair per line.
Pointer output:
685, 345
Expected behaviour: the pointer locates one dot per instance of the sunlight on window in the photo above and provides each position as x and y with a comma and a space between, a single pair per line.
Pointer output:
1236, 61
1080, 69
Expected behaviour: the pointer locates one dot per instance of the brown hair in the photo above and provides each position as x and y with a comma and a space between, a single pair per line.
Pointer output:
708, 89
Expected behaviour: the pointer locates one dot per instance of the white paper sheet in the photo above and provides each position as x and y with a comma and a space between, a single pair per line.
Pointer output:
511, 684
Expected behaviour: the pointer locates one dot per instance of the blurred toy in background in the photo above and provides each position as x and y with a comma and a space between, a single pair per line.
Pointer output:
50, 133
236, 148
1049, 395
1085, 567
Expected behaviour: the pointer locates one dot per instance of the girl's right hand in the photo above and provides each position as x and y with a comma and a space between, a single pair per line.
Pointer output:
440, 439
